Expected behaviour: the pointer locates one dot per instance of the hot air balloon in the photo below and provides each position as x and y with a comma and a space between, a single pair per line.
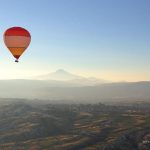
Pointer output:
17, 39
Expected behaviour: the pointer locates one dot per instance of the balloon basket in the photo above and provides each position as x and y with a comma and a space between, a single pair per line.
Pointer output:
16, 61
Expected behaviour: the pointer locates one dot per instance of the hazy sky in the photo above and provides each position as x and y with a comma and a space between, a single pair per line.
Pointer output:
109, 39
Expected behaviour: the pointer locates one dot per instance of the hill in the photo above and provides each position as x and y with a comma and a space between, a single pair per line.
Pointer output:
29, 125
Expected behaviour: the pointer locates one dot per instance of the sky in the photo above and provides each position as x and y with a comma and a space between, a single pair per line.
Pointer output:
107, 39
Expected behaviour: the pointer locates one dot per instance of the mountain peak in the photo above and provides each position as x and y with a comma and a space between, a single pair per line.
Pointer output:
61, 71
63, 75
60, 74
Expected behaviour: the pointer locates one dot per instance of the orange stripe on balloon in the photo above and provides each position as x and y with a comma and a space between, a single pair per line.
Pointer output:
16, 51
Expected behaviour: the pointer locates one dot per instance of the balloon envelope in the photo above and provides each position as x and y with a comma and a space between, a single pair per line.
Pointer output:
17, 39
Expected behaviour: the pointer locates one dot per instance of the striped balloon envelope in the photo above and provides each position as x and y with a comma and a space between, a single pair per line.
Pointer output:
17, 39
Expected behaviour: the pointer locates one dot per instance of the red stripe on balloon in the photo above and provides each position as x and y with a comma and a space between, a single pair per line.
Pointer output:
17, 31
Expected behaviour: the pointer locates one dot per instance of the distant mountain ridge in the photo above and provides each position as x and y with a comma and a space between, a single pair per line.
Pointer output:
52, 90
